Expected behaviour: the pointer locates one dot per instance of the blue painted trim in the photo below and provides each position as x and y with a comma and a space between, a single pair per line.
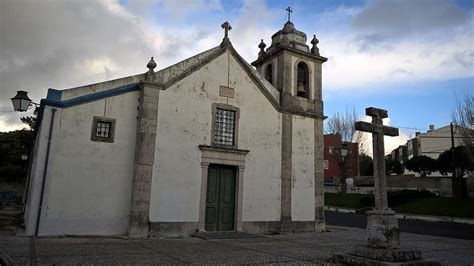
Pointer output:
54, 95
55, 102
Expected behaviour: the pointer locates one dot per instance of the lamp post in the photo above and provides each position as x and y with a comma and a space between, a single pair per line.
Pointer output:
343, 152
21, 102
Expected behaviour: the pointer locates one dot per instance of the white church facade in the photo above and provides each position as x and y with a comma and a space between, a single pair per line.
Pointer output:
208, 144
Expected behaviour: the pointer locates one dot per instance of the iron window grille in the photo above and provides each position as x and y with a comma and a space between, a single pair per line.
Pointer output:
224, 133
103, 129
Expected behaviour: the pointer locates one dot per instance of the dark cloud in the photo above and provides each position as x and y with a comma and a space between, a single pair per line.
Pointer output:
52, 43
395, 19
65, 43
372, 43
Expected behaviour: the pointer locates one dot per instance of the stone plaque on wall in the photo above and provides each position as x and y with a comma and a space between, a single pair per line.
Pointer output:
226, 92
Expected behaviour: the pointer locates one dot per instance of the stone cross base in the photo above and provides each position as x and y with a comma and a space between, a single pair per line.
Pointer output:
382, 256
382, 227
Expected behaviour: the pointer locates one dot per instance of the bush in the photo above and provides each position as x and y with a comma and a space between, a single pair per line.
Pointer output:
422, 164
463, 162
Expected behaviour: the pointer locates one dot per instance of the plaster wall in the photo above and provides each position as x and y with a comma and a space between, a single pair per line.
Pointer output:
184, 122
434, 143
302, 193
88, 185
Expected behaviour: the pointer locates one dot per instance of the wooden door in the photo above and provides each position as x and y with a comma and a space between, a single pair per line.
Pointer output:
220, 200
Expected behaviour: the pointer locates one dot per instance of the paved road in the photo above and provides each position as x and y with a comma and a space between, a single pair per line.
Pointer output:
444, 229
291, 249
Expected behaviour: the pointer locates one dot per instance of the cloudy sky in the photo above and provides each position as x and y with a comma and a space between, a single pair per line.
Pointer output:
411, 57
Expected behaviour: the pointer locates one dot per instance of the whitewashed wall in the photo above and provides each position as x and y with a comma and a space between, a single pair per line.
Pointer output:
89, 183
302, 193
184, 122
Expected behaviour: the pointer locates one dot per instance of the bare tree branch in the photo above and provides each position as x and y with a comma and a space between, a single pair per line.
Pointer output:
463, 117
343, 123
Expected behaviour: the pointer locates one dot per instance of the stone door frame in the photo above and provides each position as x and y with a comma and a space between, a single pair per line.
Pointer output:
222, 156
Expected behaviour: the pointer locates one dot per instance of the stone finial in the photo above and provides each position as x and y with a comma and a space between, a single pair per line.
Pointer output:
262, 46
227, 27
151, 65
150, 75
314, 42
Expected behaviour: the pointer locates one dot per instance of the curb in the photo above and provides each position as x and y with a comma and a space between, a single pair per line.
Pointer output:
406, 216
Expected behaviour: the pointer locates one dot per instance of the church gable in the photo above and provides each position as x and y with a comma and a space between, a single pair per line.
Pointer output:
186, 120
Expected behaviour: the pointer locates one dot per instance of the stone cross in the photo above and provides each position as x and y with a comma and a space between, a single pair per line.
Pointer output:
383, 235
226, 26
378, 130
289, 11
381, 224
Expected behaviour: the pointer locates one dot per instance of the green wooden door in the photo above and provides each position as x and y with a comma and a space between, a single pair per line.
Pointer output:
220, 203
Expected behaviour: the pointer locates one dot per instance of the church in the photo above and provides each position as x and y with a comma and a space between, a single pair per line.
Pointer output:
211, 143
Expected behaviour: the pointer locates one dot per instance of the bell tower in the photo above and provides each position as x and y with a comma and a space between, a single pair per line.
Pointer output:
294, 69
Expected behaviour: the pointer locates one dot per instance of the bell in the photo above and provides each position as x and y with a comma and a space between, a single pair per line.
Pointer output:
300, 88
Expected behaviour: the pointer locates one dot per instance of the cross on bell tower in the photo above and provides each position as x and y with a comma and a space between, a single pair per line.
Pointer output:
289, 12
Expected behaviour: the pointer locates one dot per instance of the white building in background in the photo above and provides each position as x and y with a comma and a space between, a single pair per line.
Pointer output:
208, 144
433, 142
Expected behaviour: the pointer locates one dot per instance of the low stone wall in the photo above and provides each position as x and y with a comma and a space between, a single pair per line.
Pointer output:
11, 192
438, 185
350, 190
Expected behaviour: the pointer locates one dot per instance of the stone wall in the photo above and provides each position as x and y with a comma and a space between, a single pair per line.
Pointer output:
437, 185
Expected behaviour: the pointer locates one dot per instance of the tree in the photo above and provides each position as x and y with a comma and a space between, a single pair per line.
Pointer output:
31, 120
463, 163
12, 146
422, 164
397, 168
344, 124
388, 164
393, 166
366, 165
463, 117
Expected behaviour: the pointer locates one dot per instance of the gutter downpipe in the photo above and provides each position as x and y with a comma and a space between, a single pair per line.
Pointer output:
48, 147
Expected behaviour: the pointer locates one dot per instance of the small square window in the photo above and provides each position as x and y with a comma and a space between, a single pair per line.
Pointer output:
103, 129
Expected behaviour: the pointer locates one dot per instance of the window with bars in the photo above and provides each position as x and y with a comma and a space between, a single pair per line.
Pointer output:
224, 130
103, 129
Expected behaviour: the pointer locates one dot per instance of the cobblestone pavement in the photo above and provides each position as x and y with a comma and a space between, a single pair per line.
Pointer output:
304, 248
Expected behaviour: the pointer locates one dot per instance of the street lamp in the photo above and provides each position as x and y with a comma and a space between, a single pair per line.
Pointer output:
21, 102
344, 151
